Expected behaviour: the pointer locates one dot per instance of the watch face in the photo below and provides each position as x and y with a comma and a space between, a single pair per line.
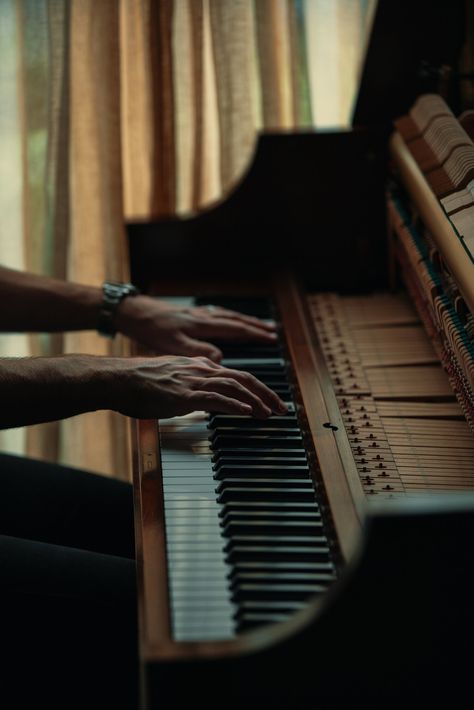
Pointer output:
116, 291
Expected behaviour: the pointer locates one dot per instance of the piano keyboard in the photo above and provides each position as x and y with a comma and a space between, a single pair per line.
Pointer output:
246, 539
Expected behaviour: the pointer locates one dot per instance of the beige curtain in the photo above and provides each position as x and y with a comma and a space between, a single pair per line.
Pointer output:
121, 109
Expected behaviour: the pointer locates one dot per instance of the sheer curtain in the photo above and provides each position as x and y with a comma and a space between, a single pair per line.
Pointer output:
140, 108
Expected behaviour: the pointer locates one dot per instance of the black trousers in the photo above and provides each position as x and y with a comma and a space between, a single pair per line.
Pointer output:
68, 627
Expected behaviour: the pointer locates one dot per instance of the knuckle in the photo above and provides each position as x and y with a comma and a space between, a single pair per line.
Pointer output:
249, 379
208, 397
230, 382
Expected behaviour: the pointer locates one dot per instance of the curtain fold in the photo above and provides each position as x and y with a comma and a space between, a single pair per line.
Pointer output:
135, 109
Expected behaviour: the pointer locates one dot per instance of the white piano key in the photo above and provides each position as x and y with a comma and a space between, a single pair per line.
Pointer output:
189, 484
183, 456
176, 467
181, 505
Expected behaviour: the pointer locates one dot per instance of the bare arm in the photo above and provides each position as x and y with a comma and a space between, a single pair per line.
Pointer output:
38, 303
34, 390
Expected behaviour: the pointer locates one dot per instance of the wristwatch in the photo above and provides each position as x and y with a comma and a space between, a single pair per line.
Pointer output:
113, 295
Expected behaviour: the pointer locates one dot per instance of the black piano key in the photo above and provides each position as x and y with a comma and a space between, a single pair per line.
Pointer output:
281, 553
281, 577
253, 452
236, 494
277, 462
281, 539
265, 516
235, 420
272, 526
254, 482
236, 441
251, 433
257, 470
323, 566
268, 506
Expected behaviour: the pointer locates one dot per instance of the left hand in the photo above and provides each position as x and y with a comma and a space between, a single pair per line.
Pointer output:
171, 330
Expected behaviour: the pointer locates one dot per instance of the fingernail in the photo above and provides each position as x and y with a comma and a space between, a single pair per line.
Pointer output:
282, 408
246, 408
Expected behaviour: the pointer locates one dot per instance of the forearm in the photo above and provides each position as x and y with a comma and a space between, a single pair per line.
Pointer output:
38, 303
41, 389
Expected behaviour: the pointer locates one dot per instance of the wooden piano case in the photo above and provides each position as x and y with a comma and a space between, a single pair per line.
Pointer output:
394, 617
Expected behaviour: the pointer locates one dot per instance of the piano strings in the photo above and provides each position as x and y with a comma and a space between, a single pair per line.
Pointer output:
407, 431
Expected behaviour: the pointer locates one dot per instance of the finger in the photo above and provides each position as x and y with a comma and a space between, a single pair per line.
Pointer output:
265, 394
206, 361
218, 312
233, 330
233, 389
216, 402
192, 348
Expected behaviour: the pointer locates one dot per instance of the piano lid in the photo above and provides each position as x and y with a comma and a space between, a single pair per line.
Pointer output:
313, 202
410, 43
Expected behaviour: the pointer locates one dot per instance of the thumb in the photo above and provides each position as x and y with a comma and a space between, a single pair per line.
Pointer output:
200, 348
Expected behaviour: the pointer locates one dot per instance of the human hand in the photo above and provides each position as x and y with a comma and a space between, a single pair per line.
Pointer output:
166, 328
159, 387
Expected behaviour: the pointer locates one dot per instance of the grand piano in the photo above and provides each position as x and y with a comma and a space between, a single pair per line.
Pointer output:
322, 559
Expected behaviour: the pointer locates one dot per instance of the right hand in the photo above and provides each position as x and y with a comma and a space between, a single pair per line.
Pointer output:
161, 387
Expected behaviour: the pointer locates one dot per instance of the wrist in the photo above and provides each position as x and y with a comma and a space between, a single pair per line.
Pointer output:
113, 294
82, 378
